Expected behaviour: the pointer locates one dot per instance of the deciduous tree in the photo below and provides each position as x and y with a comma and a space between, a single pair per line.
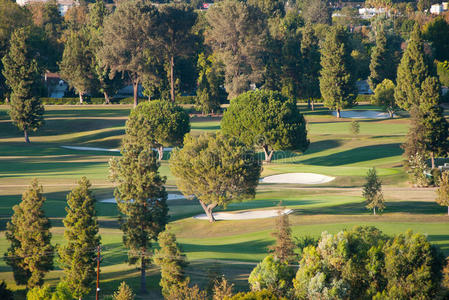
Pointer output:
22, 73
30, 253
384, 96
210, 93
81, 232
266, 119
216, 169
141, 199
372, 191
337, 82
443, 191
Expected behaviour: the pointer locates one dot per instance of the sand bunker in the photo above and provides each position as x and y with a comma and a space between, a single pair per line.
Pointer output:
101, 149
362, 114
299, 178
245, 215
169, 197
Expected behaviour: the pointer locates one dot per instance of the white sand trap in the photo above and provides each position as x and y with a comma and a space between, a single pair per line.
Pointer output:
362, 114
169, 197
245, 215
102, 149
301, 178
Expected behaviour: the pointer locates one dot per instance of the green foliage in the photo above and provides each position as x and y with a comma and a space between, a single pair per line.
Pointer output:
340, 266
283, 249
62, 292
5, 293
256, 295
158, 123
355, 127
185, 292
222, 289
372, 191
303, 241
81, 232
266, 119
437, 32
443, 72
216, 169
40, 293
238, 40
316, 11
416, 168
272, 274
30, 254
22, 74
171, 261
311, 63
384, 96
380, 61
337, 81
412, 72
210, 81
443, 190
412, 267
76, 66
124, 292
141, 199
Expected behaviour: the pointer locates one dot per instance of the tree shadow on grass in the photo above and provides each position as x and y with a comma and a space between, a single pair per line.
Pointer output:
249, 247
356, 155
442, 242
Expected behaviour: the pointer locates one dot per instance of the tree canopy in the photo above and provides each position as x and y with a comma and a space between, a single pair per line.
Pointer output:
266, 119
216, 169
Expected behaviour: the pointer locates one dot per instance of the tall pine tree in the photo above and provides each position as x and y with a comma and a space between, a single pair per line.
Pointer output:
30, 254
22, 74
81, 232
379, 60
171, 261
434, 124
412, 72
141, 199
337, 82
311, 65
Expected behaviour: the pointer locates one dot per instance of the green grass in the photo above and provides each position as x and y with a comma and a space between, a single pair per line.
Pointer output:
225, 247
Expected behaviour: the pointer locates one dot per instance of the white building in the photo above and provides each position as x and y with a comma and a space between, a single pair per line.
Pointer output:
63, 5
367, 13
436, 9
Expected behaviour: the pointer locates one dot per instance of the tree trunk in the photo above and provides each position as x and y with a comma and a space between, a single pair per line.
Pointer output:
308, 103
208, 210
374, 210
432, 159
81, 97
172, 79
338, 113
268, 154
160, 150
143, 282
313, 105
135, 90
391, 114
106, 98
25, 133
448, 210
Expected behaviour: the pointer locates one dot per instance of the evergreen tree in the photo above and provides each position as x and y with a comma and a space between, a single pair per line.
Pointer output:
337, 82
210, 93
30, 254
412, 72
380, 62
434, 124
443, 191
76, 66
141, 199
22, 74
81, 232
311, 65
171, 261
284, 247
124, 292
372, 191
